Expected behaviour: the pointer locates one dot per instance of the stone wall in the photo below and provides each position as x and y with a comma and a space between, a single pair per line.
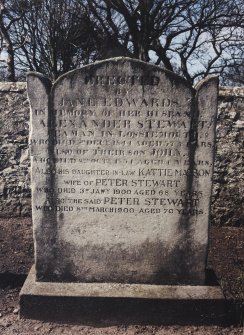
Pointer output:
228, 189
14, 161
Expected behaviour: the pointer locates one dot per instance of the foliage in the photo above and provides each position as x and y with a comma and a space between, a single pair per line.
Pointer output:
234, 74
192, 37
48, 35
195, 38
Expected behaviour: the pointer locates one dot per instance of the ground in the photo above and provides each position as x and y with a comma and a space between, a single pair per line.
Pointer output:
226, 259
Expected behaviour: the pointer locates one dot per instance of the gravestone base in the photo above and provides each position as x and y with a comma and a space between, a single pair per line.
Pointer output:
106, 304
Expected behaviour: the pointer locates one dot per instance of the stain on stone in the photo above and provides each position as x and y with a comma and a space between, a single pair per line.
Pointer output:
98, 187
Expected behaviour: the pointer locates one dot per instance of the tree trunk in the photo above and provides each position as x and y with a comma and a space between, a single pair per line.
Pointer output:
9, 46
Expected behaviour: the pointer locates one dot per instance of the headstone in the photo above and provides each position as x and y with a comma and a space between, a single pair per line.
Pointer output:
121, 165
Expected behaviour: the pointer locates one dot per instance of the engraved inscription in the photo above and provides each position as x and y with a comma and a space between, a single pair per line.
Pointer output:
122, 161
111, 137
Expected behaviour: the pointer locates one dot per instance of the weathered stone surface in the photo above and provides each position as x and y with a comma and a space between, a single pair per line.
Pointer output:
112, 303
14, 159
228, 180
228, 196
122, 159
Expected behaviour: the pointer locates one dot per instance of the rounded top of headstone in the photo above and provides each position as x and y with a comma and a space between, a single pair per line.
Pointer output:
122, 63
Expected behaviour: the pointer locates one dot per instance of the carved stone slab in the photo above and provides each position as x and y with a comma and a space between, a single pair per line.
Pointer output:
122, 158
